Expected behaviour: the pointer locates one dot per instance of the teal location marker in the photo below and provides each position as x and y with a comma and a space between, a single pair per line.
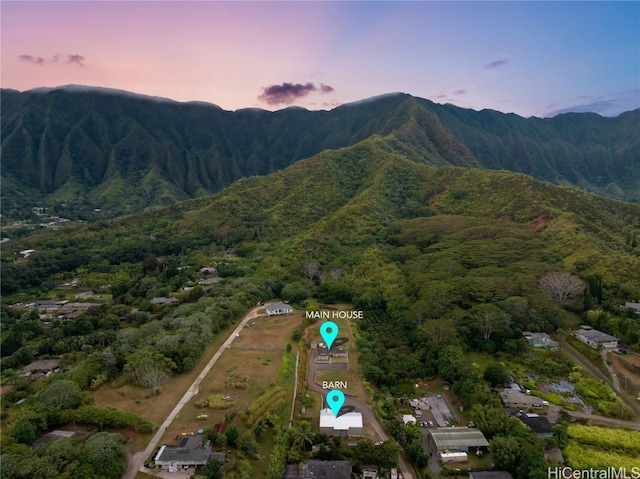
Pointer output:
329, 332
335, 400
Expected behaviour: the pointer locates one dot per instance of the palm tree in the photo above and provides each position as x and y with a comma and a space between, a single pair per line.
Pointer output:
260, 427
303, 435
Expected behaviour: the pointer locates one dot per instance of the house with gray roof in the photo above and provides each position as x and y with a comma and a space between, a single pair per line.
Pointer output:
173, 459
326, 470
540, 340
596, 339
274, 309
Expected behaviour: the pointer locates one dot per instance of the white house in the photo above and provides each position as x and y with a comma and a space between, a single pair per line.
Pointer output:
349, 424
278, 308
595, 338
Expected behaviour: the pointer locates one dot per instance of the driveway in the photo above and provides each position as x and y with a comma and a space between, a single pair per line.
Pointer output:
367, 415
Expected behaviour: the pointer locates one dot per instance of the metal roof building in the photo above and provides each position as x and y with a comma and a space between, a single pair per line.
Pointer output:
349, 424
456, 439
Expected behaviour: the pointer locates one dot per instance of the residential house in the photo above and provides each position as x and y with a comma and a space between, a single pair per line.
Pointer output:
596, 339
47, 305
538, 424
322, 354
515, 399
190, 454
325, 470
339, 352
41, 367
540, 340
274, 309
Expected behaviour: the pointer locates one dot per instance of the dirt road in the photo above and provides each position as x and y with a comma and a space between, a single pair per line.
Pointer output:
136, 461
595, 419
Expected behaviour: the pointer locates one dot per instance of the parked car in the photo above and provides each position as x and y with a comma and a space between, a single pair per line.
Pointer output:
430, 423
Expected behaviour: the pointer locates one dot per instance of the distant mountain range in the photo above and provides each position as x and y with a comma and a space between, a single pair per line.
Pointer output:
121, 153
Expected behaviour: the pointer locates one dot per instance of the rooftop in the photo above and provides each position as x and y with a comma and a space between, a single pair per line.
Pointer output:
41, 365
182, 456
539, 338
326, 470
277, 306
456, 437
490, 475
340, 423
538, 424
510, 396
407, 418
190, 442
595, 335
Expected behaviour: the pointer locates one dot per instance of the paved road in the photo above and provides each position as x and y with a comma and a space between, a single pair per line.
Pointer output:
367, 414
136, 461
585, 363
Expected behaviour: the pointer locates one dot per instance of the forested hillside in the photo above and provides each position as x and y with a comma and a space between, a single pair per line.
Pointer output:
445, 261
81, 149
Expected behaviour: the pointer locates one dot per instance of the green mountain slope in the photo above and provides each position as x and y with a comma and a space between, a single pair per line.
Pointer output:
340, 206
586, 150
122, 152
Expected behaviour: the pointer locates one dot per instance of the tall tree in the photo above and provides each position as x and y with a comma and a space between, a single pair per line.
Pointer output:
149, 368
562, 287
488, 318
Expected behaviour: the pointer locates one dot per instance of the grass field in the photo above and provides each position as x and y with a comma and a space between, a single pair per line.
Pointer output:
156, 408
258, 354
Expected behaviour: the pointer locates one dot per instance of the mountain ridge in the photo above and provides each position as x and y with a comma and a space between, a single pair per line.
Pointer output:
121, 153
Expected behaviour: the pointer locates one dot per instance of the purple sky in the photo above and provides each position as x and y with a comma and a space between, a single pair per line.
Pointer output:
531, 58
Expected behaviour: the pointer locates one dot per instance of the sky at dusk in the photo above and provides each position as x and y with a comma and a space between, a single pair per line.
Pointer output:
530, 58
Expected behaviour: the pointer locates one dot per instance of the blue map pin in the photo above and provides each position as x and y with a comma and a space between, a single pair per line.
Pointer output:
335, 400
329, 332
